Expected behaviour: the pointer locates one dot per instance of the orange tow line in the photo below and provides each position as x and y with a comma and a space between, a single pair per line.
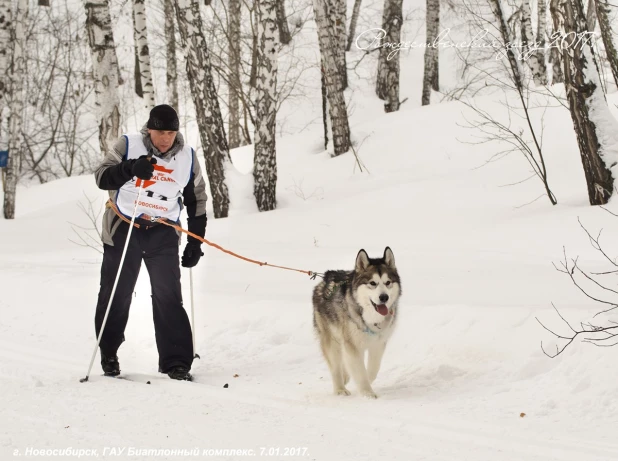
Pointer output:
311, 274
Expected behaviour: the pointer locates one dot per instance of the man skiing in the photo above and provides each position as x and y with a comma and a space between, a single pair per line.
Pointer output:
158, 161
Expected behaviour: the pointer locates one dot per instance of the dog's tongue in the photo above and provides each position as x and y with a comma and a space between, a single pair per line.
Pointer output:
382, 309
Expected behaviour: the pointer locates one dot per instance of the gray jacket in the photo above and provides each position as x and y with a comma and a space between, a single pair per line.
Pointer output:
113, 172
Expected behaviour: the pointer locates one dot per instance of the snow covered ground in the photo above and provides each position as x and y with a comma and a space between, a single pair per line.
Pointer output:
463, 366
464, 377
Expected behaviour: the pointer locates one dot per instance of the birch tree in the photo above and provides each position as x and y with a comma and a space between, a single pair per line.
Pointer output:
391, 24
143, 72
254, 44
591, 15
541, 28
431, 52
16, 71
392, 63
205, 99
337, 19
265, 160
282, 23
602, 13
353, 23
234, 76
587, 104
332, 77
105, 71
555, 58
5, 38
505, 32
171, 75
537, 66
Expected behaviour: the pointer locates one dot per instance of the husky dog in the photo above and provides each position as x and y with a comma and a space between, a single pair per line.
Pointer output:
355, 311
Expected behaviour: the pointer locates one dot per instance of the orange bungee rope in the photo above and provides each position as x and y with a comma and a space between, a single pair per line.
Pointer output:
311, 274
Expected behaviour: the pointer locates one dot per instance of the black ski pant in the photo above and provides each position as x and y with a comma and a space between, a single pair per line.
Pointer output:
157, 246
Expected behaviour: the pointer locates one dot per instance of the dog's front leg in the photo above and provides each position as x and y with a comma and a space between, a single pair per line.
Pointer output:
354, 359
332, 354
374, 360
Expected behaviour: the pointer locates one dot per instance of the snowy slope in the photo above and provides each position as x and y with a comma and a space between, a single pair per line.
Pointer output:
463, 366
464, 363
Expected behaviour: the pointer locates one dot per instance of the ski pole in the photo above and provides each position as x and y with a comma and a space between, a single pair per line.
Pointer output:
109, 304
196, 356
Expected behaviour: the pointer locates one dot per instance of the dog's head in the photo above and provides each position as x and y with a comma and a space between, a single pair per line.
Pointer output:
376, 284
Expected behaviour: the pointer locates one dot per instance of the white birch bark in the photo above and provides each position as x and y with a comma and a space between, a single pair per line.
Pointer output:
5, 38
265, 160
140, 35
337, 13
234, 75
171, 75
584, 92
332, 77
541, 29
105, 71
537, 66
205, 99
431, 52
16, 104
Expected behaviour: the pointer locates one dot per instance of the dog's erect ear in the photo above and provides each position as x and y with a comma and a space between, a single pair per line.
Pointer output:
389, 257
362, 261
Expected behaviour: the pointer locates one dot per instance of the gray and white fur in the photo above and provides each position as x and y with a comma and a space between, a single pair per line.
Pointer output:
353, 312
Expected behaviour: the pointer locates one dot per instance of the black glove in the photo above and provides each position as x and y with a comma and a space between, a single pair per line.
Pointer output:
192, 254
143, 167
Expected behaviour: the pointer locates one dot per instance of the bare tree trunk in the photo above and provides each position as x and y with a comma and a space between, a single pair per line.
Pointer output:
16, 78
332, 77
5, 39
337, 12
137, 74
254, 47
171, 75
282, 23
105, 71
537, 66
392, 64
265, 158
210, 123
506, 38
43, 3
555, 58
353, 23
541, 29
391, 23
431, 52
584, 93
234, 76
140, 34
591, 15
324, 107
603, 9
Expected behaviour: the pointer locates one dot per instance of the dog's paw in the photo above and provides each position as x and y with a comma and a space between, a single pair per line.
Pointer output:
343, 391
369, 394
